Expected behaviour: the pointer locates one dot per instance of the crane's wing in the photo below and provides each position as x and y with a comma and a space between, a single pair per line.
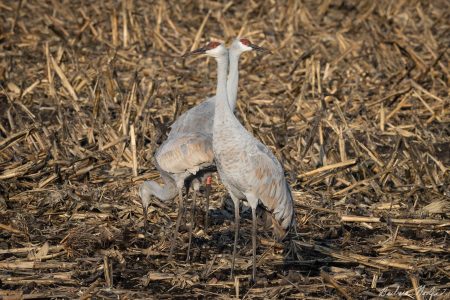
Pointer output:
266, 179
248, 168
200, 118
185, 152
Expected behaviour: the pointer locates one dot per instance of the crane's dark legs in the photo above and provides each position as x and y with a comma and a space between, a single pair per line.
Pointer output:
177, 226
144, 213
236, 232
254, 242
192, 223
207, 193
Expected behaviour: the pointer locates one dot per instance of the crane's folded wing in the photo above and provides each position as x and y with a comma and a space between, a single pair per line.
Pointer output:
186, 152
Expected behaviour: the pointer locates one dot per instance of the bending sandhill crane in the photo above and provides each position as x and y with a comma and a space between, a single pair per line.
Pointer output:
247, 168
192, 131
185, 156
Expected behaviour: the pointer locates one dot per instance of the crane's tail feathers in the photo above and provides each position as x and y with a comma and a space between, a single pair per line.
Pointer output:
286, 220
293, 222
278, 230
268, 221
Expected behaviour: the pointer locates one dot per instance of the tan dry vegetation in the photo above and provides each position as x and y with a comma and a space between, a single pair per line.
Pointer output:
354, 101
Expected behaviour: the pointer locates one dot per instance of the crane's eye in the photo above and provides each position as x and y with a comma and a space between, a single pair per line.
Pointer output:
212, 45
245, 42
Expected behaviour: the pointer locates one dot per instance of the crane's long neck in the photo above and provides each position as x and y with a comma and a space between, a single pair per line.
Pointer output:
222, 112
163, 193
222, 68
233, 77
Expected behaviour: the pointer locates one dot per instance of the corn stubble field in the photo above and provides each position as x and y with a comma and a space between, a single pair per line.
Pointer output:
353, 101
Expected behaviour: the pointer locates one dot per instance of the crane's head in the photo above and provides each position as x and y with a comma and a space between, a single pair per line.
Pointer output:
214, 49
244, 45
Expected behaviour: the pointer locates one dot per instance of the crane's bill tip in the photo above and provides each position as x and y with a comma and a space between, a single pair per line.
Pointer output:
197, 51
187, 54
259, 49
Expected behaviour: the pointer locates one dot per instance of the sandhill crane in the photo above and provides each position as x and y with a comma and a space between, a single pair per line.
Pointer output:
193, 131
247, 168
183, 157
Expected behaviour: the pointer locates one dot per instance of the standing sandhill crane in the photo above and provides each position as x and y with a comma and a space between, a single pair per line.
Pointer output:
192, 131
247, 168
201, 117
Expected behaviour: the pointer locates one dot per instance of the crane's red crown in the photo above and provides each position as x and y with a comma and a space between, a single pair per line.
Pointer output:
246, 42
212, 45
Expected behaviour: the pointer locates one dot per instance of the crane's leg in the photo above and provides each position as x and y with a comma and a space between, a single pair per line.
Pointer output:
192, 222
253, 202
207, 193
236, 231
145, 193
177, 225
254, 242
145, 213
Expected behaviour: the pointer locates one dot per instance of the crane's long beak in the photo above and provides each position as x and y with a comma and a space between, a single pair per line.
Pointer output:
259, 49
197, 51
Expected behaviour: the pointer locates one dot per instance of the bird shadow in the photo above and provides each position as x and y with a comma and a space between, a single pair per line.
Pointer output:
296, 259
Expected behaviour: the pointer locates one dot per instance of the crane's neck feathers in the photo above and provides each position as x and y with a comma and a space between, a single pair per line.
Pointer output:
223, 115
233, 76
222, 70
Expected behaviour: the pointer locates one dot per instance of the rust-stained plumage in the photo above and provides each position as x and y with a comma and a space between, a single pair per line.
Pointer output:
257, 173
249, 171
247, 168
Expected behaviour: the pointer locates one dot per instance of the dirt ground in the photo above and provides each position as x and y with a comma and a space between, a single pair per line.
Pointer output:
353, 100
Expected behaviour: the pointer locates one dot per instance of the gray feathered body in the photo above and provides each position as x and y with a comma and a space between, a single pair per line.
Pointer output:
200, 118
188, 148
188, 152
249, 170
